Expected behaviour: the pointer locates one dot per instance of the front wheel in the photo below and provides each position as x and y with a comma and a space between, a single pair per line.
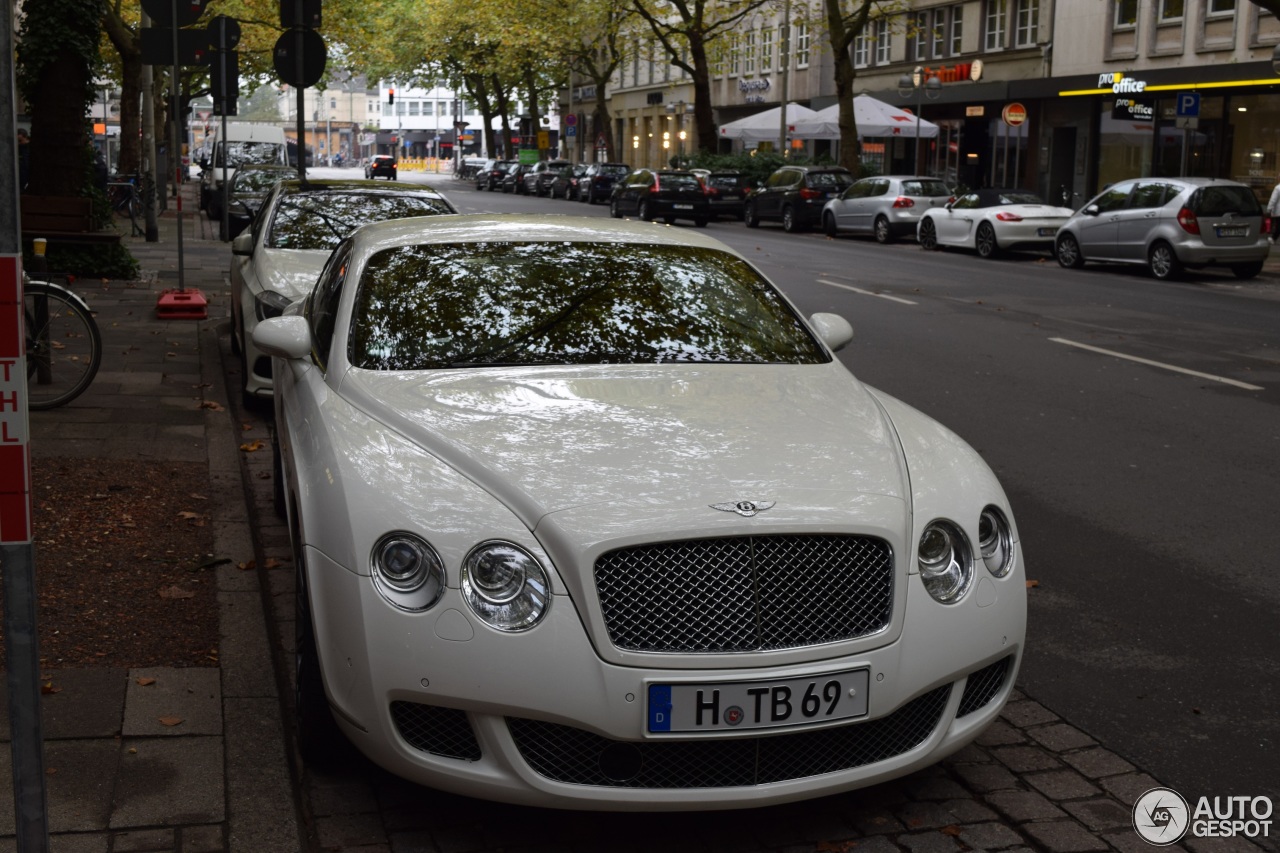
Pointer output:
750, 217
927, 235
829, 225
64, 346
882, 230
1068, 252
1164, 262
985, 241
613, 209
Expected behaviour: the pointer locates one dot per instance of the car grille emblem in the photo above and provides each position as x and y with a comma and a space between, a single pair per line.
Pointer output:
744, 508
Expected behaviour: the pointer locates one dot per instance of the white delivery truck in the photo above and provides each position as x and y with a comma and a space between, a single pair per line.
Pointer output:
246, 142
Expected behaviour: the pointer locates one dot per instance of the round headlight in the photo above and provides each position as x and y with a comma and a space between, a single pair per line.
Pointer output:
505, 586
407, 571
995, 542
945, 561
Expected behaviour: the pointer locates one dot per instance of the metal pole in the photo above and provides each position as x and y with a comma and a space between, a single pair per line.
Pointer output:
175, 155
149, 148
784, 38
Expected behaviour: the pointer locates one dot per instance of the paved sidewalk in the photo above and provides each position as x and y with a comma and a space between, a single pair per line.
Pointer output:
117, 779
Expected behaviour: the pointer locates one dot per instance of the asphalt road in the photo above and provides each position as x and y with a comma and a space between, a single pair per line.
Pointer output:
1134, 424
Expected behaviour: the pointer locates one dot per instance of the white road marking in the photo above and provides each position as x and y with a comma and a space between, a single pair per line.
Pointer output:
1245, 385
866, 292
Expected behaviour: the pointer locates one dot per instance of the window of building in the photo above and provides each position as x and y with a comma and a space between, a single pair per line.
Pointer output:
800, 34
735, 55
957, 29
399, 108
428, 107
413, 108
1171, 10
993, 25
862, 50
919, 34
749, 54
766, 50
386, 111
1026, 23
1126, 14
1221, 7
882, 43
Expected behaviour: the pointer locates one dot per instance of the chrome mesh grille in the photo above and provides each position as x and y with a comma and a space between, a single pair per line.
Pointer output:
983, 686
440, 731
745, 593
578, 757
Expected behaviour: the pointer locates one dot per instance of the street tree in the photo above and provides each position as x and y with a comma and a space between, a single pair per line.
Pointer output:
599, 33
845, 21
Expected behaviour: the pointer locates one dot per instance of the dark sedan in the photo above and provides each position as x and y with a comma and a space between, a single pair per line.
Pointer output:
597, 182
667, 195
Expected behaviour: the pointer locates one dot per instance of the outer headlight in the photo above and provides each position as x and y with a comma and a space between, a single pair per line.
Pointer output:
995, 541
505, 586
407, 571
268, 303
946, 561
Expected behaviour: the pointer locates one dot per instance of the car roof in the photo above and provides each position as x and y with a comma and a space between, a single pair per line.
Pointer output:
337, 184
526, 228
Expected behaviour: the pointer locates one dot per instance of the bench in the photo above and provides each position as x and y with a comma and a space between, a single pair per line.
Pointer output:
61, 219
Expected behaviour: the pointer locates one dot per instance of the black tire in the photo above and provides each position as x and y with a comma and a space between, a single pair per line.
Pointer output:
1163, 262
927, 234
320, 741
882, 231
613, 209
750, 217
985, 241
829, 225
701, 222
63, 345
644, 212
789, 222
1246, 270
1068, 252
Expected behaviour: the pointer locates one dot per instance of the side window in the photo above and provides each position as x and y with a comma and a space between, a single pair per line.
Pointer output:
966, 202
1148, 194
322, 305
879, 188
777, 179
1113, 199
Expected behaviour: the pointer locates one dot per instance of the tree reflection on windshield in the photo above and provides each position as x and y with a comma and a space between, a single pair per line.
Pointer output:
319, 220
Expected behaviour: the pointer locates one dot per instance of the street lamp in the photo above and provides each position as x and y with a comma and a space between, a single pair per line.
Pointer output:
922, 88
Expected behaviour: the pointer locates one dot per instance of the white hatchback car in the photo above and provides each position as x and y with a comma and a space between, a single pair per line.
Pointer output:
886, 207
277, 261
585, 515
992, 220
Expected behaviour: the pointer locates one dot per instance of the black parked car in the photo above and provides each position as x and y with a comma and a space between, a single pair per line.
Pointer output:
667, 195
565, 184
537, 181
727, 193
491, 174
597, 183
513, 180
795, 195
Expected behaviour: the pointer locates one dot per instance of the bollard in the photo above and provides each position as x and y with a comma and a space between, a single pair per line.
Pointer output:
39, 264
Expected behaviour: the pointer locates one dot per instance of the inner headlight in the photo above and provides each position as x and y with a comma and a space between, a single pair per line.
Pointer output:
995, 542
407, 571
505, 586
946, 561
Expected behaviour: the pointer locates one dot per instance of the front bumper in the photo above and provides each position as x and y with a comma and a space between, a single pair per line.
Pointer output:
540, 719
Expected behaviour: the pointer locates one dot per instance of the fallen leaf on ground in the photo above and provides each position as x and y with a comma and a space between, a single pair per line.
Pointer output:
247, 566
256, 444
1032, 584
146, 681
171, 721
188, 515
211, 404
48, 689
175, 592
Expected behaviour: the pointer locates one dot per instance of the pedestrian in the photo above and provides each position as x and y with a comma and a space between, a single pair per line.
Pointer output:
24, 158
1273, 210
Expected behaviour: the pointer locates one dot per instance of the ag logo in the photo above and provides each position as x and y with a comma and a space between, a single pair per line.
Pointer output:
1161, 816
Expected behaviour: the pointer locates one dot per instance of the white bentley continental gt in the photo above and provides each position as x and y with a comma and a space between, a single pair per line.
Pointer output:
585, 515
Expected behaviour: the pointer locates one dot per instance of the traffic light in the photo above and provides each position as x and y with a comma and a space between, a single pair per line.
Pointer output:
391, 96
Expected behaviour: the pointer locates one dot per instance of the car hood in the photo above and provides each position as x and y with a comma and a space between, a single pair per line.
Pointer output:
289, 272
548, 439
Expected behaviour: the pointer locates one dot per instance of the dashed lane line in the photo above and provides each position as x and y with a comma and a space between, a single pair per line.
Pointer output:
1163, 366
865, 292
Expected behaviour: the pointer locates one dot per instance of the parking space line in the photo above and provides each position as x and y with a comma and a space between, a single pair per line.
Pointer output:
1245, 385
865, 292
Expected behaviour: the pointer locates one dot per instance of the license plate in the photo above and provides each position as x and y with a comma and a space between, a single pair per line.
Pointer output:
1047, 232
683, 206
728, 706
1234, 231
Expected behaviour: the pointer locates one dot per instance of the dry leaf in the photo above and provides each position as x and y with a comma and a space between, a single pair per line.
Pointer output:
188, 515
246, 427
174, 592
952, 830
146, 681
247, 566
212, 404
1032, 584
48, 689
171, 721
273, 563
256, 444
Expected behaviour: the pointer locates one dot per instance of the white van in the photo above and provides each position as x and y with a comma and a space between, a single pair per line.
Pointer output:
246, 142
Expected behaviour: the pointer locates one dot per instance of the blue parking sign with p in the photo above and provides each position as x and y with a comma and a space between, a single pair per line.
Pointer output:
1188, 104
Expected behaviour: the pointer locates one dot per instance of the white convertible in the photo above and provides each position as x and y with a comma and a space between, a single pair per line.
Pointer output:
586, 516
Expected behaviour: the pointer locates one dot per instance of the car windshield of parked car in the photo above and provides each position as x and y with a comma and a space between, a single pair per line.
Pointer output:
615, 171
725, 182
241, 153
674, 181
924, 188
259, 180
830, 180
1219, 201
319, 220
424, 307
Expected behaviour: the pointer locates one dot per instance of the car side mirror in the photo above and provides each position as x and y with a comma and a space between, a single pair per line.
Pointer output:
833, 329
243, 244
284, 337
1090, 210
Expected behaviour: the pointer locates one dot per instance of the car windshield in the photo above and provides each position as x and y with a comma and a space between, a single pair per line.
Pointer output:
725, 182
240, 153
259, 180
1221, 200
678, 182
925, 188
319, 220
426, 307
614, 171
834, 180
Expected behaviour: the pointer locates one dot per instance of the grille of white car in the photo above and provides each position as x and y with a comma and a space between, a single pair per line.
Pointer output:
440, 731
983, 686
579, 757
738, 594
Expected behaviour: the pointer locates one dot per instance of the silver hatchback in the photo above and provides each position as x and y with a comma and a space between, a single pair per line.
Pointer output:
1169, 225
885, 206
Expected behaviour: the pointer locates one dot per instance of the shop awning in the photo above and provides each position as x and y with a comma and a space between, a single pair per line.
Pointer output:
874, 118
764, 125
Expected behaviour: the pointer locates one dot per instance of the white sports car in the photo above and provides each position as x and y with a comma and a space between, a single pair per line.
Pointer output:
585, 515
992, 220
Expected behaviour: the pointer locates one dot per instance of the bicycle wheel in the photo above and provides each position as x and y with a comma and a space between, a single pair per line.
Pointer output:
64, 346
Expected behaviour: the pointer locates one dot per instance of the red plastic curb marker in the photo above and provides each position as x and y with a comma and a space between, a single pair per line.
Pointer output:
187, 304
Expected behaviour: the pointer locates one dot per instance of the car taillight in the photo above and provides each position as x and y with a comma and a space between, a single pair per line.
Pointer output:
1188, 221
1266, 224
710, 191
1006, 216
810, 194
657, 185
903, 201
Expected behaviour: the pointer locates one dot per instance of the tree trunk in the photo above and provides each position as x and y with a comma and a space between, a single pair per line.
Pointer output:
602, 120
130, 158
703, 118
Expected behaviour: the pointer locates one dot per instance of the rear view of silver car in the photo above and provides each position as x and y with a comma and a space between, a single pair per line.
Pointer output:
1169, 225
885, 206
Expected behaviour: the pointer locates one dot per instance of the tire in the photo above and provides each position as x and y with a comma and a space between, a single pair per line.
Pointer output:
789, 222
613, 209
1068, 253
63, 345
701, 222
670, 220
985, 241
246, 399
320, 741
927, 234
829, 225
1163, 262
1246, 270
882, 231
750, 217
644, 212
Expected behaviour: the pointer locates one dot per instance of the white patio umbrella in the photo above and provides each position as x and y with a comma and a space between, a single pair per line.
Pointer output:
874, 118
764, 125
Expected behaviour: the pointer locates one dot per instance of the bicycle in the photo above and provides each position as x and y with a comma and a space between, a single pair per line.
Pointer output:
64, 345
124, 198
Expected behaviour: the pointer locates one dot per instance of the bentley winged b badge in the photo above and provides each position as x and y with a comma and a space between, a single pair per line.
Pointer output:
744, 508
